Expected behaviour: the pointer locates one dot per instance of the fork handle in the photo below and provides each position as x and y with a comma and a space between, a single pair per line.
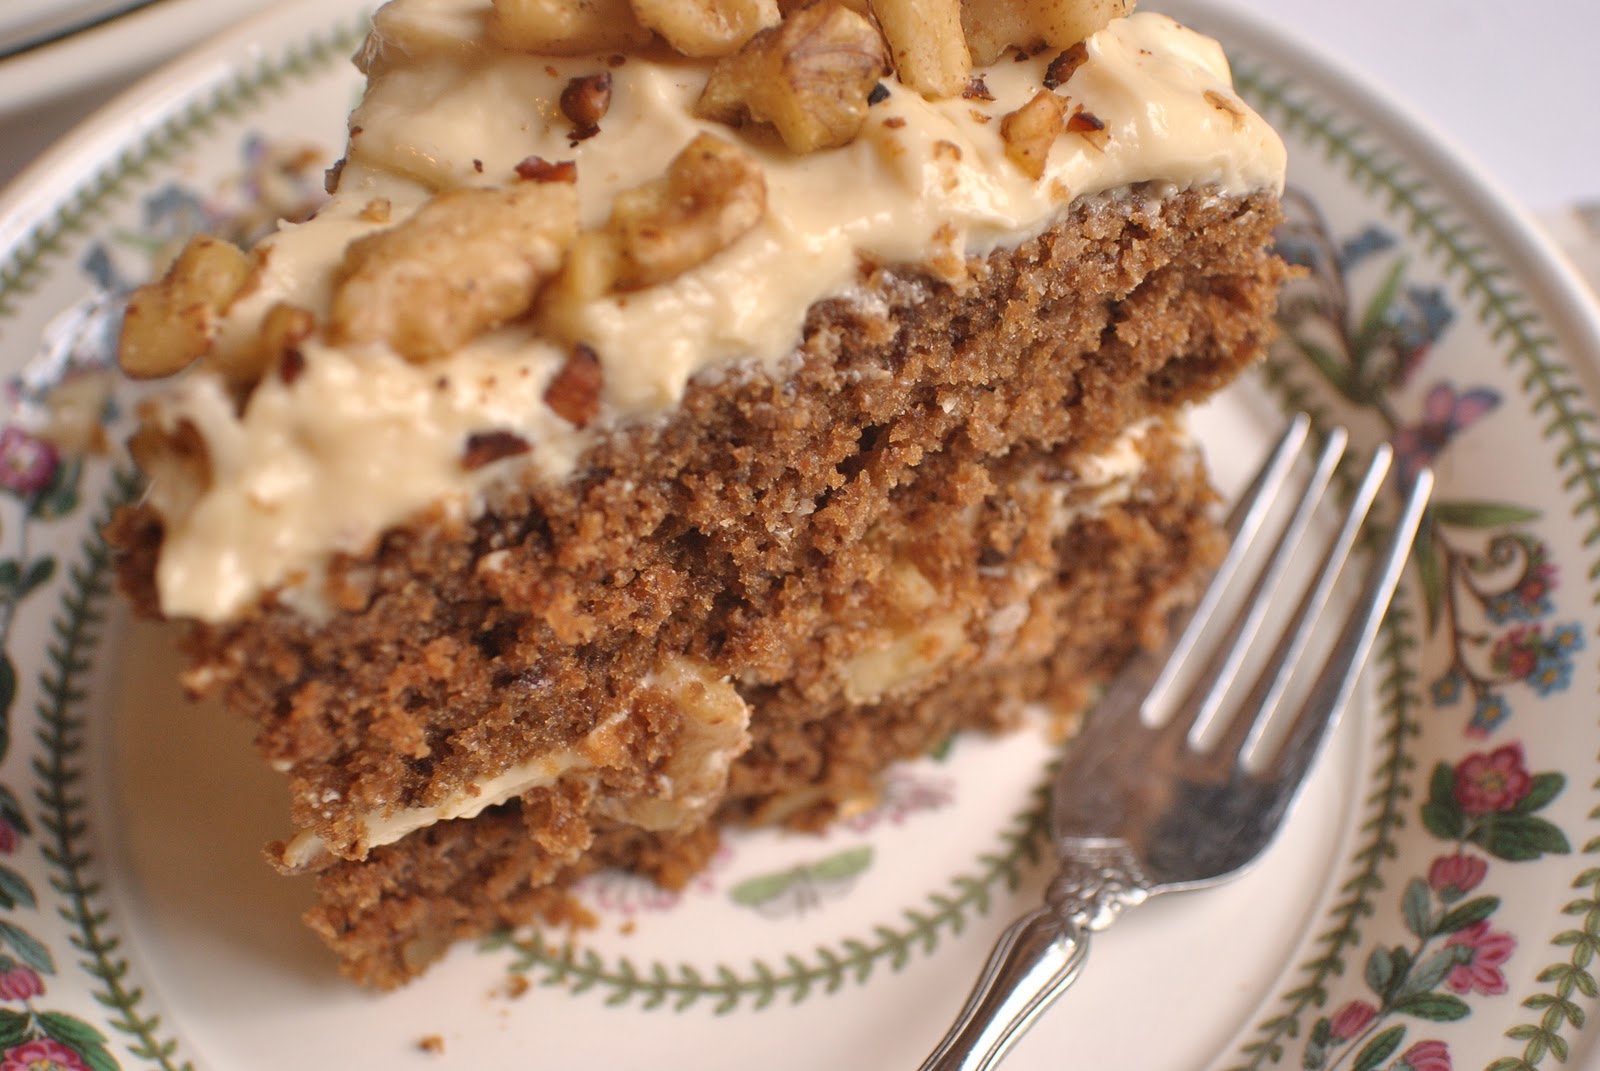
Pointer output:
1033, 963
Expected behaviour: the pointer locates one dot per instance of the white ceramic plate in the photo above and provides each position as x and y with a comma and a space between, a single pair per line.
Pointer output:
74, 44
1434, 903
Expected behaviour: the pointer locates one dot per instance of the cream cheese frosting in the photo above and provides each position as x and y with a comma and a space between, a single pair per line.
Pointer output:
362, 439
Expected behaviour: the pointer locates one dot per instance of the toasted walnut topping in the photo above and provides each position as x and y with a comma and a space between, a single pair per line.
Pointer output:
566, 27
810, 77
170, 323
1030, 131
291, 367
538, 169
377, 210
1065, 65
574, 393
926, 44
487, 447
175, 462
706, 28
1090, 127
415, 29
1032, 25
976, 89
712, 193
283, 329
469, 260
585, 101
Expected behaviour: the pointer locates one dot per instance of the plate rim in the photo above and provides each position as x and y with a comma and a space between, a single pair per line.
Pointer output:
1514, 238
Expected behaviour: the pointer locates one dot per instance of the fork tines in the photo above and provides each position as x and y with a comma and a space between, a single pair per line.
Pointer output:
1227, 642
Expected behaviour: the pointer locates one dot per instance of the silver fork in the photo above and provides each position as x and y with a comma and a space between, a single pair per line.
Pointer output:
1140, 809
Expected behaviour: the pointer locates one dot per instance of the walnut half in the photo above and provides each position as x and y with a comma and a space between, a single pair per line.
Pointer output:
993, 25
706, 27
566, 27
809, 76
469, 259
170, 323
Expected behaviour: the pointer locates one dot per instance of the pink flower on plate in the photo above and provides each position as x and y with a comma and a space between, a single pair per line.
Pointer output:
1492, 781
1351, 1019
41, 1054
27, 463
19, 981
1481, 968
1453, 876
1427, 1056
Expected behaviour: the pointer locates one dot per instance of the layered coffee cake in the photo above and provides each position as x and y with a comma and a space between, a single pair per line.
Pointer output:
683, 409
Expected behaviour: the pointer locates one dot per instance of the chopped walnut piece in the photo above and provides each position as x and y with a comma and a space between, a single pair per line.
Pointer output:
1065, 65
283, 328
470, 259
1090, 127
574, 393
712, 193
377, 210
926, 44
538, 169
1031, 130
1032, 25
585, 101
707, 28
330, 177
487, 447
977, 89
810, 77
566, 27
409, 30
170, 323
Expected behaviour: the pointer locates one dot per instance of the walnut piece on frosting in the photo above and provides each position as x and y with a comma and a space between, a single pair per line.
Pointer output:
994, 25
926, 44
170, 323
405, 30
470, 259
711, 194
809, 77
705, 28
566, 27
1031, 130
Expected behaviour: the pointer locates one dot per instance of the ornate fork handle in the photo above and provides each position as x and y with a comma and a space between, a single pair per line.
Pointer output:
1039, 956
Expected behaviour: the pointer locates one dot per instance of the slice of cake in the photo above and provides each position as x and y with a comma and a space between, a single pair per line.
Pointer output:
681, 411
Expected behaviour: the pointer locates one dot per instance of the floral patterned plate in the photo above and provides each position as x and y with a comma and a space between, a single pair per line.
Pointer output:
1434, 903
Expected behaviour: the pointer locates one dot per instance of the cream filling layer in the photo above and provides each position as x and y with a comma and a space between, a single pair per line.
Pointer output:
363, 439
713, 731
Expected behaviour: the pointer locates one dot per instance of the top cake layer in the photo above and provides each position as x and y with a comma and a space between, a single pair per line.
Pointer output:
523, 250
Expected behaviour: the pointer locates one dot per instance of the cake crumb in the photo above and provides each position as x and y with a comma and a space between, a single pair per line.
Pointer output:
432, 1043
517, 985
627, 927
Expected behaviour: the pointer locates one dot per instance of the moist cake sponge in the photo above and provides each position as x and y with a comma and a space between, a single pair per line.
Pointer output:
959, 484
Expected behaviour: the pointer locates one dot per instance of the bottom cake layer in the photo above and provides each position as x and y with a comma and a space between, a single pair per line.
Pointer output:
1102, 552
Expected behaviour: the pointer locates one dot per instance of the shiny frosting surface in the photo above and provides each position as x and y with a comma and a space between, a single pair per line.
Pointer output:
362, 439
